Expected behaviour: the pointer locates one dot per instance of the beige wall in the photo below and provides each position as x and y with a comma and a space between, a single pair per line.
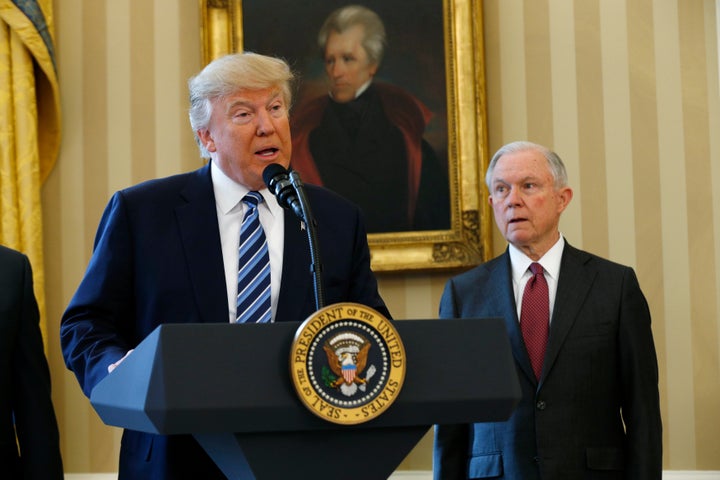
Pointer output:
625, 90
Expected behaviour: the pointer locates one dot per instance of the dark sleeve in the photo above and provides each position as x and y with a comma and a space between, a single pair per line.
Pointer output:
450, 452
364, 285
641, 403
343, 250
452, 442
94, 331
35, 422
448, 304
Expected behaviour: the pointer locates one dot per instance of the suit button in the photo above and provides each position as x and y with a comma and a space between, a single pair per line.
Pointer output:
541, 405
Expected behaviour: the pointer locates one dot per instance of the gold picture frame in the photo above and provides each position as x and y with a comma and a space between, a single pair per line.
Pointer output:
468, 241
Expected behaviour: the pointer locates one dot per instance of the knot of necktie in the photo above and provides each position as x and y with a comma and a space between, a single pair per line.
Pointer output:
537, 271
536, 268
252, 199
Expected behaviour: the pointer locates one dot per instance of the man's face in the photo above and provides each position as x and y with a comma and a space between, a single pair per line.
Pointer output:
248, 130
346, 63
526, 204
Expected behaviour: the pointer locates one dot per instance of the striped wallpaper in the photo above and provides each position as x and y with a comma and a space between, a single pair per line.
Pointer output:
626, 91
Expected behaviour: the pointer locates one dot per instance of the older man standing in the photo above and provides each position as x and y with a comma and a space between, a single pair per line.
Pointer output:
580, 332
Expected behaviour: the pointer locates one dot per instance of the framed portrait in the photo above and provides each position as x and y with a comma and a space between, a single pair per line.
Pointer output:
425, 202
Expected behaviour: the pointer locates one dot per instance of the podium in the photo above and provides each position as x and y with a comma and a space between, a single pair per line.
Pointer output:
230, 387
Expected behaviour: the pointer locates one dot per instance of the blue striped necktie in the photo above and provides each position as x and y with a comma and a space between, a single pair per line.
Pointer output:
253, 299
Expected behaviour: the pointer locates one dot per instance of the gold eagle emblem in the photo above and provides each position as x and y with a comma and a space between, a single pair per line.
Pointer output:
347, 356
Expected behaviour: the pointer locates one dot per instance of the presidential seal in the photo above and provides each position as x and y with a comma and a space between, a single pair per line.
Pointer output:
347, 363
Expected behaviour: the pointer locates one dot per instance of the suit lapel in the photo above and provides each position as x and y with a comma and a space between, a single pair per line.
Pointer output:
200, 236
295, 289
500, 290
573, 287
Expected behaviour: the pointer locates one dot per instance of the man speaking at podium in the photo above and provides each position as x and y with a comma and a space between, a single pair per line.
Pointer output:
177, 249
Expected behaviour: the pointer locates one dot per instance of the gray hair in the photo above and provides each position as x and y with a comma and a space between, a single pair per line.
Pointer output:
229, 74
557, 167
346, 17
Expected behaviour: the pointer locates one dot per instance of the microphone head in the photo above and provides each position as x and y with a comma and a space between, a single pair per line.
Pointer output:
272, 171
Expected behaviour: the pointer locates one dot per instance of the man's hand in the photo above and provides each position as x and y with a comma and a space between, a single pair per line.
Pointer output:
113, 366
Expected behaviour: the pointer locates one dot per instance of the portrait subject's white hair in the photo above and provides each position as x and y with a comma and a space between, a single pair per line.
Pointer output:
374, 39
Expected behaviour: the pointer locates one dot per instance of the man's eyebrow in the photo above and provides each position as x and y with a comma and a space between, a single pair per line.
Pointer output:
238, 103
277, 95
247, 103
528, 178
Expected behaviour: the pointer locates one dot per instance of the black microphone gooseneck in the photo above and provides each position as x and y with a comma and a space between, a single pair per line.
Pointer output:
290, 192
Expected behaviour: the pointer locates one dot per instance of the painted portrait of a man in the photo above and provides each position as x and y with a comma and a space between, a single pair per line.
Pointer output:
359, 124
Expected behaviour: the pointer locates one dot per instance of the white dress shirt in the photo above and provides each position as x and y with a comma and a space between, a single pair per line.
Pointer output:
230, 212
521, 274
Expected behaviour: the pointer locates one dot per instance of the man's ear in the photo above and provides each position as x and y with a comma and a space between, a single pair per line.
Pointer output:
206, 139
565, 194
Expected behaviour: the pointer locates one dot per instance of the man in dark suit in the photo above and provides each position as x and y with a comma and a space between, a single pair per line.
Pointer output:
590, 402
167, 250
27, 417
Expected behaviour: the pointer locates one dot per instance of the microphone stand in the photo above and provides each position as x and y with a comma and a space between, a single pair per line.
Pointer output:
310, 224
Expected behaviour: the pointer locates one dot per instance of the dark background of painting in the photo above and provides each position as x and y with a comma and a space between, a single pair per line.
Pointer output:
414, 57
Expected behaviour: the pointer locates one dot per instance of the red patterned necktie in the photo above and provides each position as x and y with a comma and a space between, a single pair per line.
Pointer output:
535, 317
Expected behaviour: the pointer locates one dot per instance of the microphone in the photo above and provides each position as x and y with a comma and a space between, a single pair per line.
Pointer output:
289, 190
277, 179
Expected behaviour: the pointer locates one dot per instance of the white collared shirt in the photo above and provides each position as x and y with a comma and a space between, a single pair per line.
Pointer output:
230, 212
550, 262
359, 91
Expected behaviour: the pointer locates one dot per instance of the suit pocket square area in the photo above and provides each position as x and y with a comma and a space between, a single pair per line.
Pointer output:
486, 466
605, 458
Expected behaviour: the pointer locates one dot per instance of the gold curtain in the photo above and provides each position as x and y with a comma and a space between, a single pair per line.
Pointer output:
29, 127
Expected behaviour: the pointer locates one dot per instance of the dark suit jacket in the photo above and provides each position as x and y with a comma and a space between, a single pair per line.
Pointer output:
24, 379
372, 151
158, 259
595, 412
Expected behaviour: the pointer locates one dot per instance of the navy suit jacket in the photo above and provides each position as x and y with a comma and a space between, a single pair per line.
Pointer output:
158, 259
595, 411
25, 404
